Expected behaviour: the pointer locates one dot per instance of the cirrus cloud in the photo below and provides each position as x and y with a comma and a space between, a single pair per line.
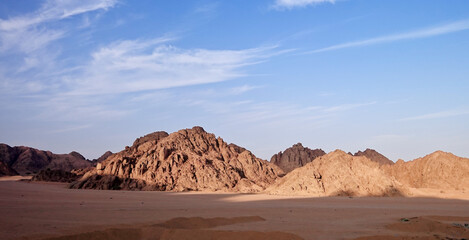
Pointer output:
289, 4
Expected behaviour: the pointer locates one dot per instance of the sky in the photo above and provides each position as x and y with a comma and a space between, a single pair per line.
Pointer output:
93, 75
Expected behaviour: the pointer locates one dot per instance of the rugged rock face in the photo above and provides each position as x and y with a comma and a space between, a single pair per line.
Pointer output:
338, 173
156, 136
49, 175
439, 170
190, 159
5, 170
294, 157
26, 160
374, 156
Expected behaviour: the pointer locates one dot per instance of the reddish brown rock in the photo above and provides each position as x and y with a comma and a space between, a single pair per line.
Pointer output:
26, 160
5, 170
152, 137
295, 157
374, 156
190, 159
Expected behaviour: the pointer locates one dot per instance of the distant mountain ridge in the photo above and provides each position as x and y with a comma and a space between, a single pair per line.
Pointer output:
195, 160
26, 160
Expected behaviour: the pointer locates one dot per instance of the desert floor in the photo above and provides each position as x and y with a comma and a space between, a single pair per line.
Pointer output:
51, 211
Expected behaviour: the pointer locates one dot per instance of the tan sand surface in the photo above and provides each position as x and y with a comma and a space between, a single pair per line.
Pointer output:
48, 211
14, 178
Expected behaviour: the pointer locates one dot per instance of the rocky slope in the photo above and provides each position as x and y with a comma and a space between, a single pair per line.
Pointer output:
102, 158
6, 170
190, 159
49, 175
26, 160
374, 156
294, 157
439, 170
338, 173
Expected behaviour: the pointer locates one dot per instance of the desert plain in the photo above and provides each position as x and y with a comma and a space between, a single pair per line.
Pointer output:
39, 210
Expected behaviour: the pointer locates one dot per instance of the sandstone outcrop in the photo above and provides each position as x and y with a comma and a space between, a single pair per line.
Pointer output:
336, 174
374, 156
26, 160
295, 156
190, 159
439, 170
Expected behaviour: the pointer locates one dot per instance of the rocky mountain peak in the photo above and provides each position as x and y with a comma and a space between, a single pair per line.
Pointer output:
189, 159
156, 136
77, 155
295, 156
375, 156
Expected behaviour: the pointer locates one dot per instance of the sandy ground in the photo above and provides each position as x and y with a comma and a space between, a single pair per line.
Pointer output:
50, 211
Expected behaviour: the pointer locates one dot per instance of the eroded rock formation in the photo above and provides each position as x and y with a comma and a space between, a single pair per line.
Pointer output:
295, 156
190, 159
336, 174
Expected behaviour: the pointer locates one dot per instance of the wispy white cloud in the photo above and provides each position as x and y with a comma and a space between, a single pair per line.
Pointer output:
266, 112
289, 4
244, 88
71, 128
348, 106
26, 33
442, 114
421, 33
137, 65
54, 10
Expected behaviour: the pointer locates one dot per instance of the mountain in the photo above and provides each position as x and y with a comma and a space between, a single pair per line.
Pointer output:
439, 170
295, 156
190, 159
26, 160
374, 156
338, 173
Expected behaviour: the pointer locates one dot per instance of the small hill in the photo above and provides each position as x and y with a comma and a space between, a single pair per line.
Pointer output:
26, 160
295, 156
336, 174
190, 159
439, 170
374, 156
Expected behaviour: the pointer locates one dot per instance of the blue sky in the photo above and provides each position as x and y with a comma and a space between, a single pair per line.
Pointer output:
93, 75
